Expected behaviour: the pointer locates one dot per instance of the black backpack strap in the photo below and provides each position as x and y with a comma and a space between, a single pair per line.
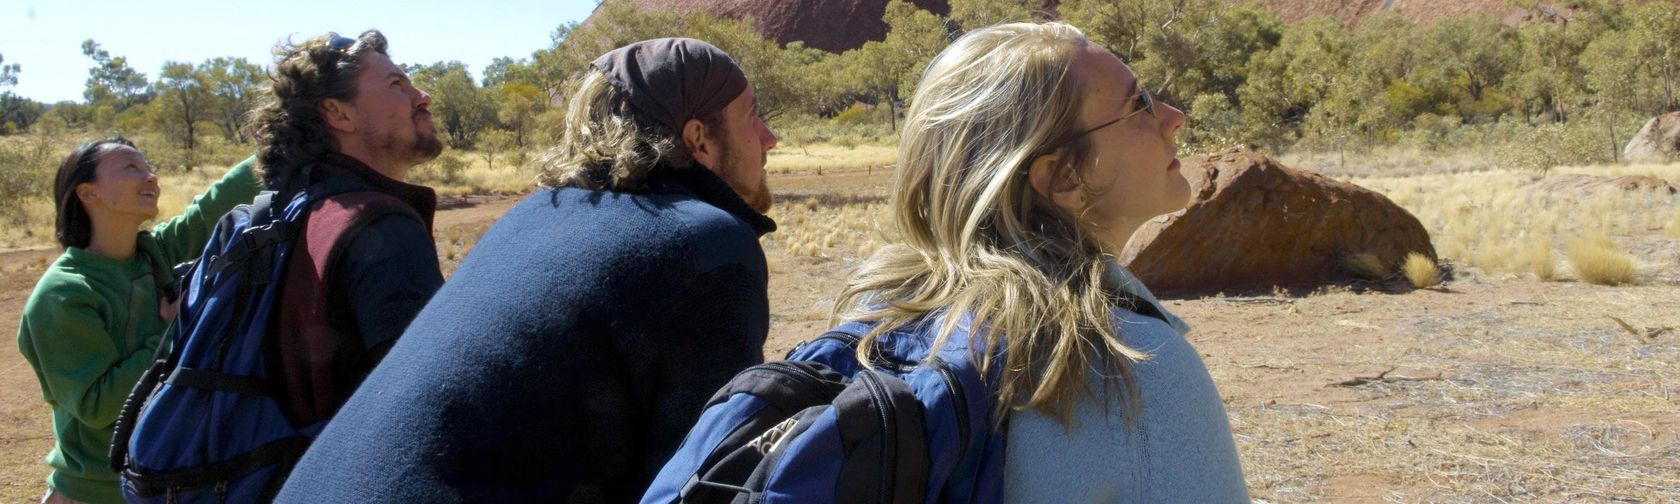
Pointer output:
263, 231
281, 452
124, 428
168, 285
882, 429
221, 382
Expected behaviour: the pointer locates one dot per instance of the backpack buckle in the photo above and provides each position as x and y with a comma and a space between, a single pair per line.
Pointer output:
772, 439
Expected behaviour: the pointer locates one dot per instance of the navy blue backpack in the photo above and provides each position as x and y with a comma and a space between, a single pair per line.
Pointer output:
202, 425
821, 428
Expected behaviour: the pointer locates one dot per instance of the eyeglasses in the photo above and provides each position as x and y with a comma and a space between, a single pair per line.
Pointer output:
1145, 104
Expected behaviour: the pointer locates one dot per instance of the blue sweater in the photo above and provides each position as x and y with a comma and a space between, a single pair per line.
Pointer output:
565, 360
1179, 449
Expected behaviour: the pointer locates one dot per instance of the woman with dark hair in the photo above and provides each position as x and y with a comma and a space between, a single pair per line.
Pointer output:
99, 312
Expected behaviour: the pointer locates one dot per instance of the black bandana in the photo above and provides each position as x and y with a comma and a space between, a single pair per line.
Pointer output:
672, 80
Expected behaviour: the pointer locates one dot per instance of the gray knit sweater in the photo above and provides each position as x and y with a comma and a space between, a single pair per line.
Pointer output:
1179, 449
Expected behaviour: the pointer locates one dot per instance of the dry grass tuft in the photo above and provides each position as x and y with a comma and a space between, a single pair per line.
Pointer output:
1597, 261
1535, 256
1421, 271
829, 158
1366, 265
829, 226
1498, 221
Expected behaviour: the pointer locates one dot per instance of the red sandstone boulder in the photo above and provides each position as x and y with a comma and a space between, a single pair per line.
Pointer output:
1254, 224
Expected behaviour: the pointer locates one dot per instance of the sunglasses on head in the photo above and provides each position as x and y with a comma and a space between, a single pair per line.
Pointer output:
341, 43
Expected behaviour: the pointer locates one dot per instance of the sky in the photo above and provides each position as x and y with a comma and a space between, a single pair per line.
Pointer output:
45, 37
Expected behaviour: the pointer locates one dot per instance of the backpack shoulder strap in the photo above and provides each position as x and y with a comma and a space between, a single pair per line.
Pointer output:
263, 229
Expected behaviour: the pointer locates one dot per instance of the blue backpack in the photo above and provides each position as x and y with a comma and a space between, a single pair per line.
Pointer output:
203, 424
819, 427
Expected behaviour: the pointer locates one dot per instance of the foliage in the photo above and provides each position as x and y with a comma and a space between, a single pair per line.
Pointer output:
1562, 87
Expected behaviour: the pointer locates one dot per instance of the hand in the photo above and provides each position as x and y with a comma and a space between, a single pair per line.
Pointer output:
169, 310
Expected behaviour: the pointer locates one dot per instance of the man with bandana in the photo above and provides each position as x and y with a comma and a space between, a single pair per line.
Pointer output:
577, 343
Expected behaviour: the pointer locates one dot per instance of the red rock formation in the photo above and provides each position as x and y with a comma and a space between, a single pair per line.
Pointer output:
830, 25
1254, 224
839, 25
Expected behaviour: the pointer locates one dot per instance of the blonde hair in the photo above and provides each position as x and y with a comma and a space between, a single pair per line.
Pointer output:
606, 146
975, 239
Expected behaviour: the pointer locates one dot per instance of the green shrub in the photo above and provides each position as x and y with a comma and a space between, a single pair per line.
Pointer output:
445, 169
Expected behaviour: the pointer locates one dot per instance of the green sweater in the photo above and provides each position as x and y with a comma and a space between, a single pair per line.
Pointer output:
91, 327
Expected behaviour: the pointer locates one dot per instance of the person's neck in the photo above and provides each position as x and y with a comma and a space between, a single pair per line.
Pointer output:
393, 169
1122, 232
114, 237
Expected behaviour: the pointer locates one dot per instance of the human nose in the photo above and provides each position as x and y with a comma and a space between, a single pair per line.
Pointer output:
766, 137
1172, 118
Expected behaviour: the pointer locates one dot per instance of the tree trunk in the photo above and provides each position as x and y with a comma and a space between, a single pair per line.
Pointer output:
1342, 147
1668, 88
187, 117
892, 112
1615, 151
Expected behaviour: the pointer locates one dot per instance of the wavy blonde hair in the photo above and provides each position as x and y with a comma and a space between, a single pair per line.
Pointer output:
608, 146
976, 239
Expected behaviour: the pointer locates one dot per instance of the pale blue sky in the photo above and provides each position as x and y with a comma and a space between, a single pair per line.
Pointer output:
45, 36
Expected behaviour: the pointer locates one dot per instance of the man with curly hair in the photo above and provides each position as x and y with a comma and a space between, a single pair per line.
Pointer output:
341, 119
576, 345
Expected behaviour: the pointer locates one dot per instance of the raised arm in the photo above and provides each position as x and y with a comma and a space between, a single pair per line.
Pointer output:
182, 238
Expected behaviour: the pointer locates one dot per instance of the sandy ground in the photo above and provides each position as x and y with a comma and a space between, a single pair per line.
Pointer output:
1492, 389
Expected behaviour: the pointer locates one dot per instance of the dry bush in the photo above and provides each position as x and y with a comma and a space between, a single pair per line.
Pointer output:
1535, 256
829, 225
27, 166
461, 173
818, 158
1494, 220
1597, 261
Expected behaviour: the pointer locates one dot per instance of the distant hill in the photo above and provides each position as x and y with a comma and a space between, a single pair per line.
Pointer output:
1423, 11
839, 25
830, 25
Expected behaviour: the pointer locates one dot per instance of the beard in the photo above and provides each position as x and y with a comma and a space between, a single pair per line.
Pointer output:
762, 200
409, 149
758, 195
425, 147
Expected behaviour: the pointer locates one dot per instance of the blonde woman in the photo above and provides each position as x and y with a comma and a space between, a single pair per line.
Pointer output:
1029, 157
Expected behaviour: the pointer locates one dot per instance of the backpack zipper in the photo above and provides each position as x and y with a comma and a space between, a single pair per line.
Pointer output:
796, 372
889, 433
